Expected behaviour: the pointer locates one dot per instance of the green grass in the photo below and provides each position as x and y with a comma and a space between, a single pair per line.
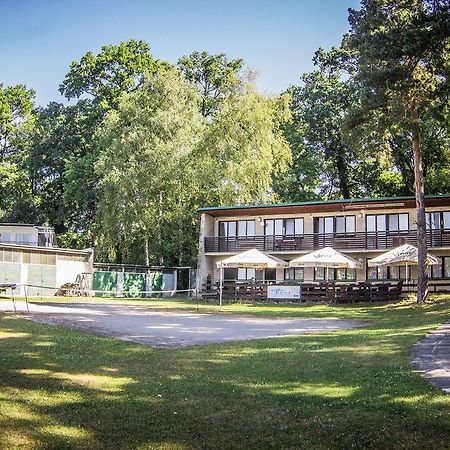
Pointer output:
61, 388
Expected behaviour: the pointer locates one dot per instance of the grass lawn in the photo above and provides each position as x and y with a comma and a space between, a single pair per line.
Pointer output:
62, 388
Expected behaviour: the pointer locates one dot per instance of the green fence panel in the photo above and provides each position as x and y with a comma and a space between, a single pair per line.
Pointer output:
133, 284
105, 281
156, 281
41, 280
9, 273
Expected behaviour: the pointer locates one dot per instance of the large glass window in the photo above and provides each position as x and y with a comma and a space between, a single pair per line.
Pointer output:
230, 274
23, 238
446, 266
437, 220
337, 225
237, 228
282, 227
377, 273
320, 274
446, 219
435, 270
294, 273
397, 272
5, 237
387, 222
433, 220
270, 274
246, 274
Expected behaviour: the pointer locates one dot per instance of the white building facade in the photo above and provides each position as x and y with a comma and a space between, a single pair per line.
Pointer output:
29, 258
361, 228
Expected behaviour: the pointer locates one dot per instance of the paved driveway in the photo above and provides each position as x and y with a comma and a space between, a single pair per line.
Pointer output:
172, 329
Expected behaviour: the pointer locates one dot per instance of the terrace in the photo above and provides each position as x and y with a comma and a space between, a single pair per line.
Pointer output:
364, 240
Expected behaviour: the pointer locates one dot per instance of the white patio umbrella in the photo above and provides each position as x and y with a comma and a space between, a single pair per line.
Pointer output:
400, 256
251, 259
325, 257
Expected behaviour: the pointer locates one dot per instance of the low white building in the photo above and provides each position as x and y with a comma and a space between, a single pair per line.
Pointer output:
30, 258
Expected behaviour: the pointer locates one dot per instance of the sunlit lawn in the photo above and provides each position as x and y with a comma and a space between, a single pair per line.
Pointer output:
63, 388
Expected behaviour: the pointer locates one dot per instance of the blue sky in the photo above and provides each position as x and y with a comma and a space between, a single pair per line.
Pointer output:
40, 38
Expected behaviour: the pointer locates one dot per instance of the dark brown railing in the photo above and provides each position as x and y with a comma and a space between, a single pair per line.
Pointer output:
354, 241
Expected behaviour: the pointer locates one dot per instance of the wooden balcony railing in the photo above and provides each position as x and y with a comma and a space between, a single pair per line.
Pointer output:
308, 242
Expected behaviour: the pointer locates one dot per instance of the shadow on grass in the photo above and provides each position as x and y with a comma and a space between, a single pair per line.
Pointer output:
61, 388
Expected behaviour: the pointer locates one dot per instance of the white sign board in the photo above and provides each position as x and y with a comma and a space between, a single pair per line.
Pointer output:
279, 291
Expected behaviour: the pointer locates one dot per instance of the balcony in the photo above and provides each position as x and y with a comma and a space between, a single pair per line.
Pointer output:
308, 242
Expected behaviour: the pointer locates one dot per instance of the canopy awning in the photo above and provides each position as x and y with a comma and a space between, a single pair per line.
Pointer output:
400, 256
325, 257
253, 259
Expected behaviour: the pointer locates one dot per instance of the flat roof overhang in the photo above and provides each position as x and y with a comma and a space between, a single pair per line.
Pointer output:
37, 248
342, 205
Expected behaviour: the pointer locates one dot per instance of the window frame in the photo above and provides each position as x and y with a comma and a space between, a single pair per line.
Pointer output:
297, 221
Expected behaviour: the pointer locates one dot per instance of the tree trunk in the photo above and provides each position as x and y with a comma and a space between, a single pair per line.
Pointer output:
146, 252
422, 283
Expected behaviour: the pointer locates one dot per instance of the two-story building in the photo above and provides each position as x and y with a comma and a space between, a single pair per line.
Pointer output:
30, 258
361, 228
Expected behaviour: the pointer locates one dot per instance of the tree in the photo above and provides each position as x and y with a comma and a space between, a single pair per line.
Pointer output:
146, 170
215, 77
325, 163
244, 149
114, 70
16, 126
402, 50
62, 140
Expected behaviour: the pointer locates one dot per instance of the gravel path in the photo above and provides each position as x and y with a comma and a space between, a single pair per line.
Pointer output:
431, 357
172, 329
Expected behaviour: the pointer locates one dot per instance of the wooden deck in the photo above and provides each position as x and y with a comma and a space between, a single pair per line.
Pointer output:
329, 292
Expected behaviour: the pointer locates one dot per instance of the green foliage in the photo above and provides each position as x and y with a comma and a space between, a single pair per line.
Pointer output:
63, 388
126, 168
244, 149
146, 168
16, 127
114, 70
214, 76
326, 164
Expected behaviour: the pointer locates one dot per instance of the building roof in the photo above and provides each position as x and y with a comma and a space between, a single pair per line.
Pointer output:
39, 248
31, 225
325, 205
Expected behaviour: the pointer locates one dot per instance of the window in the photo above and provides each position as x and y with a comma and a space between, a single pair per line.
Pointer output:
270, 274
377, 273
440, 270
320, 274
245, 274
230, 274
446, 219
5, 237
387, 222
433, 220
23, 238
7, 255
345, 225
435, 270
227, 229
246, 228
397, 272
337, 225
438, 220
237, 228
294, 273
282, 227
